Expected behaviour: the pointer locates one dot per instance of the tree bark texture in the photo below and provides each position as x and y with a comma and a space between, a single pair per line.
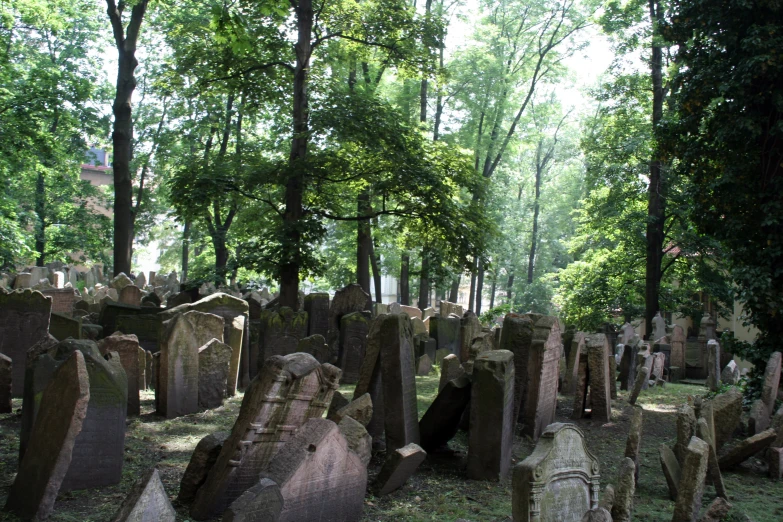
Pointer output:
363, 241
480, 287
405, 294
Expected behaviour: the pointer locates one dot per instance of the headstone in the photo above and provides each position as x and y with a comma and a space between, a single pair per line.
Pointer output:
447, 308
320, 478
346, 300
58, 279
677, 342
445, 331
597, 515
470, 327
316, 346
127, 346
62, 326
730, 374
360, 410
726, 411
491, 409
120, 281
5, 384
450, 369
600, 377
762, 409
24, 321
576, 349
642, 377
262, 502
23, 280
398, 468
691, 486
746, 449
775, 463
145, 327
287, 392
111, 312
658, 366
63, 300
370, 379
201, 461
151, 300
180, 339
235, 313
559, 481
659, 327
338, 402
516, 337
419, 328
622, 508
411, 311
686, 429
423, 365
628, 333
281, 332
717, 511
441, 420
713, 365
671, 470
612, 377
441, 354
353, 344
543, 369
149, 372
713, 471
401, 419
359, 441
428, 346
147, 501
131, 295
394, 308
141, 356
42, 470
214, 362
634, 441
141, 280
628, 368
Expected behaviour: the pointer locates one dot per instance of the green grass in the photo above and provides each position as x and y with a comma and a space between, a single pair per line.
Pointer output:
439, 490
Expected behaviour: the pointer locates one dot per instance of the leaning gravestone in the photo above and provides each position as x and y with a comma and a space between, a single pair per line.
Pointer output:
24, 321
543, 371
127, 346
491, 431
180, 339
447, 308
600, 387
691, 486
398, 380
445, 331
317, 307
370, 378
516, 337
398, 468
5, 384
349, 299
572, 372
41, 471
642, 376
262, 502
441, 420
214, 362
287, 392
320, 478
762, 409
353, 344
559, 481
202, 459
146, 502
145, 327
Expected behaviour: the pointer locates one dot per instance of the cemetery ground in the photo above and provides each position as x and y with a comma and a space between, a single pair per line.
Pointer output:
439, 490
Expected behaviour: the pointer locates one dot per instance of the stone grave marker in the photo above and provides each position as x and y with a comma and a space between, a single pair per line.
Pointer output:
130, 294
600, 377
370, 378
575, 350
447, 308
141, 355
411, 311
658, 366
671, 470
353, 344
686, 429
659, 327
5, 384
628, 364
202, 459
642, 377
491, 432
398, 468
730, 374
445, 331
317, 307
127, 346
281, 332
23, 280
214, 363
543, 370
622, 508
450, 369
401, 419
516, 337
470, 327
62, 326
147, 501
63, 299
145, 327
559, 481
745, 449
316, 346
346, 300
24, 321
726, 412
691, 485
762, 408
713, 365
634, 441
423, 365
441, 420
287, 392
262, 502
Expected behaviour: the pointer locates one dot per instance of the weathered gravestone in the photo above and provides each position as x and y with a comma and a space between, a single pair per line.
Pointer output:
600, 377
281, 331
634, 441
516, 337
491, 416
146, 502
441, 420
62, 326
346, 300
691, 486
145, 327
24, 321
180, 339
398, 380
423, 365
622, 507
235, 313
659, 327
445, 331
469, 328
686, 429
671, 470
41, 471
726, 411
730, 374
127, 346
5, 384
677, 358
370, 378
762, 408
202, 459
543, 370
214, 363
411, 311
287, 392
320, 478
262, 502
628, 364
316, 346
576, 349
642, 376
23, 280
131, 295
447, 308
63, 299
111, 313
317, 307
559, 481
353, 344
398, 468
713, 365
450, 369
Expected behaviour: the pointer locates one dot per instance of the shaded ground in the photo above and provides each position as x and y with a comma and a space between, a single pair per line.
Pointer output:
439, 491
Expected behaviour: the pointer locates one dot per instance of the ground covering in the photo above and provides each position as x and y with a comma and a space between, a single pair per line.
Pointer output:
439, 490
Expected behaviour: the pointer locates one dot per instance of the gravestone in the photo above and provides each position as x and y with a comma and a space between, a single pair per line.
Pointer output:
24, 321
262, 502
686, 428
622, 508
677, 342
470, 327
235, 314
491, 432
281, 332
642, 377
317, 307
726, 412
287, 392
447, 308
41, 471
359, 409
559, 481
346, 300
441, 420
320, 478
613, 377
398, 468
445, 331
450, 369
600, 377
628, 333
151, 300
581, 384
370, 378
180, 339
394, 308
214, 363
628, 364
141, 280
426, 345
691, 486
111, 312
543, 370
23, 280
131, 295
401, 419
316, 346
5, 384
659, 327
762, 408
575, 350
411, 311
127, 346
141, 355
149, 371
353, 344
671, 470
63, 299
516, 337
423, 365
713, 365
745, 449
62, 326
657, 366
202, 459
730, 374
147, 501
634, 441
703, 431
145, 327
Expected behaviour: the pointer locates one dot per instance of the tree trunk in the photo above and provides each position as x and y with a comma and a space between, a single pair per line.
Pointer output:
405, 294
221, 254
40, 226
185, 250
363, 242
295, 186
480, 288
376, 273
472, 297
122, 133
454, 290
509, 287
494, 288
656, 201
424, 281
534, 241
